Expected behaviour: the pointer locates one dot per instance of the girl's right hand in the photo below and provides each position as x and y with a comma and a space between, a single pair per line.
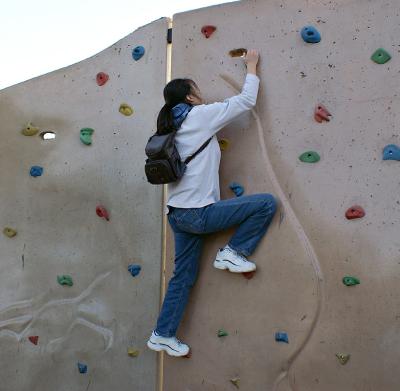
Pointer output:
251, 57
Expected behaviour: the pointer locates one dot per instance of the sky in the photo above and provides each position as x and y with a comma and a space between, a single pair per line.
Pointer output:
39, 36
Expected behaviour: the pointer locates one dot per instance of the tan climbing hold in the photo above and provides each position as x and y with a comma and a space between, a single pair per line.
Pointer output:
133, 352
9, 232
235, 381
223, 144
30, 130
241, 52
125, 109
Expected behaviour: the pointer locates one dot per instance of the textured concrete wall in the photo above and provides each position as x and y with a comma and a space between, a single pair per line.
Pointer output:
106, 310
311, 246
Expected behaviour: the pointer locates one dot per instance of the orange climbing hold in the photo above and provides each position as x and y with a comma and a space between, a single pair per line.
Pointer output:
34, 339
355, 212
101, 211
208, 30
249, 275
101, 78
321, 113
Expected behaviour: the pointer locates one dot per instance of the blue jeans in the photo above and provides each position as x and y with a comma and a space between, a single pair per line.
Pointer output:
252, 214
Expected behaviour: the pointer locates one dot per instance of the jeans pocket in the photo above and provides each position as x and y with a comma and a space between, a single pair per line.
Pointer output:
189, 220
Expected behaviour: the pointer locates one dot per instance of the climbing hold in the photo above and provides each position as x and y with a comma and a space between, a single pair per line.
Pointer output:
343, 358
391, 152
138, 53
238, 52
223, 144
309, 157
101, 78
222, 333
101, 211
236, 188
30, 130
349, 280
321, 113
281, 337
36, 171
134, 269
47, 135
380, 56
188, 355
82, 367
249, 275
133, 352
65, 280
235, 381
86, 135
125, 109
355, 212
34, 339
9, 232
310, 34
208, 30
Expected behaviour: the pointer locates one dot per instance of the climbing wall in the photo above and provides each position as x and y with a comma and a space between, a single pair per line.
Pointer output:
81, 228
340, 337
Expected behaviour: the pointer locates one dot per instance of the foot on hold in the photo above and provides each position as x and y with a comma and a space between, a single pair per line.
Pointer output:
171, 345
228, 258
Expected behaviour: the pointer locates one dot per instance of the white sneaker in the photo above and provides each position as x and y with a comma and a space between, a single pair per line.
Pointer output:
227, 258
171, 345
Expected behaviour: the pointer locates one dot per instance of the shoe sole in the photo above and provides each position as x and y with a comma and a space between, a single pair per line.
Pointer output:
224, 264
162, 347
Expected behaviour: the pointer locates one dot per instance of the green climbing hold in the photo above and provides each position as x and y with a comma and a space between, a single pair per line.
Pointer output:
86, 135
9, 232
349, 281
343, 358
309, 157
235, 381
380, 56
30, 130
222, 333
65, 280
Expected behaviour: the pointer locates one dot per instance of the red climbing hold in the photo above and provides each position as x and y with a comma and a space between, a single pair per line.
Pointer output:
321, 113
248, 275
102, 212
34, 339
208, 30
355, 212
102, 78
188, 355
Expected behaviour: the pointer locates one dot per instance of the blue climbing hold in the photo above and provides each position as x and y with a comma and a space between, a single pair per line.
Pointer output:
137, 53
310, 34
391, 152
281, 337
82, 367
36, 171
134, 270
236, 188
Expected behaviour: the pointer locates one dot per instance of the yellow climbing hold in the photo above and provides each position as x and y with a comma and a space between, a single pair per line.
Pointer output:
30, 130
235, 381
125, 109
9, 232
343, 358
223, 144
133, 352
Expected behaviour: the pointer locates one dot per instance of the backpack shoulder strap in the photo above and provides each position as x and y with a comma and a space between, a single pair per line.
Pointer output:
187, 160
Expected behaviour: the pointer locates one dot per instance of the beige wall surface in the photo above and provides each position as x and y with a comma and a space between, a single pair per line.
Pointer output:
106, 310
311, 246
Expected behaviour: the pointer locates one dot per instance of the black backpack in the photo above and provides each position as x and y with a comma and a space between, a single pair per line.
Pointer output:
164, 164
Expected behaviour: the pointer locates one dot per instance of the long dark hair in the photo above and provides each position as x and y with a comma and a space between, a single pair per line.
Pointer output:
174, 92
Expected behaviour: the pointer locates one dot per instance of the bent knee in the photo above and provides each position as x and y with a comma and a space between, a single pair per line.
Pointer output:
270, 203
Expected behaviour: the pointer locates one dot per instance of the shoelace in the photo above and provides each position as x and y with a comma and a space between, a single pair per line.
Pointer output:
236, 253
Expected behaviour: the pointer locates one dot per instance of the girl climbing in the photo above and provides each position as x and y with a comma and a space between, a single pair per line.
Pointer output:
194, 205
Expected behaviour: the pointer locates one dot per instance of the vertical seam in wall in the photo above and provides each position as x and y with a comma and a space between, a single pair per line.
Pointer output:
164, 221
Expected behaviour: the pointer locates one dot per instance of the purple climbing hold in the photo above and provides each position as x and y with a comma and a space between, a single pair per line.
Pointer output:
36, 171
134, 270
236, 188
